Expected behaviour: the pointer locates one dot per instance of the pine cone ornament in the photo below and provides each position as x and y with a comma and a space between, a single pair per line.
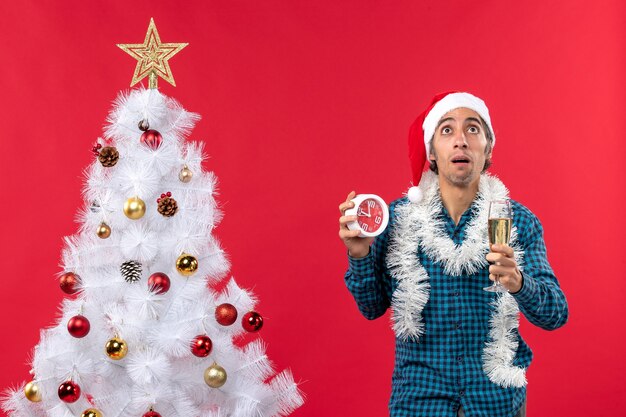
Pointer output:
131, 271
167, 205
108, 156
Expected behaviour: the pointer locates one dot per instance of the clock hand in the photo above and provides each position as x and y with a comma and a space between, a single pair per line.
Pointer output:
362, 213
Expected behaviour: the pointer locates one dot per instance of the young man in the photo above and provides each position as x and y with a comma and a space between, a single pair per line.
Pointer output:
458, 349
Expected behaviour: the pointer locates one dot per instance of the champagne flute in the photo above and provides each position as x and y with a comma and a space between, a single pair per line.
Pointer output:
499, 229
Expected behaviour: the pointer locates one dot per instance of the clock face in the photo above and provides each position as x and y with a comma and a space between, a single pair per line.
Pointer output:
370, 215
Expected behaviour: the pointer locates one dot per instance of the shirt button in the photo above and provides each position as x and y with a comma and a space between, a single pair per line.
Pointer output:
457, 325
462, 392
459, 358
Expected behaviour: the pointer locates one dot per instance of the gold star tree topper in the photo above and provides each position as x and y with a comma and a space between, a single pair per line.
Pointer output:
152, 57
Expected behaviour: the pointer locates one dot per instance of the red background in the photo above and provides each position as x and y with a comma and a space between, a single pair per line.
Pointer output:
303, 101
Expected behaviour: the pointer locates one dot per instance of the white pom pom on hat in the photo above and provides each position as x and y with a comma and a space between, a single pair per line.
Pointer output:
415, 194
423, 129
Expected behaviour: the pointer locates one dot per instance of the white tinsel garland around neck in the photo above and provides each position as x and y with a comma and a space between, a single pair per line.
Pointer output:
419, 226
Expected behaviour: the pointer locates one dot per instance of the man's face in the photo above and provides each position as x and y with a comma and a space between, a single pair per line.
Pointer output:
459, 146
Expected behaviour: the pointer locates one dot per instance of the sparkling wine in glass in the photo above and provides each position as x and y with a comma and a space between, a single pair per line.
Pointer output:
499, 229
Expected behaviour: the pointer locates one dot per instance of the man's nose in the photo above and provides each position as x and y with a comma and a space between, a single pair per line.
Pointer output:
460, 140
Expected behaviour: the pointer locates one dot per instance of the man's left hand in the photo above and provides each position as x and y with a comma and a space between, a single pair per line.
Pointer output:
504, 267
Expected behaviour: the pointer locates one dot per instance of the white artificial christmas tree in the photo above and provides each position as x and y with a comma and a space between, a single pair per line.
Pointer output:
144, 334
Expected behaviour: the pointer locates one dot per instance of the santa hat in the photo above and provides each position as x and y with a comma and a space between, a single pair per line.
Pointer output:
423, 129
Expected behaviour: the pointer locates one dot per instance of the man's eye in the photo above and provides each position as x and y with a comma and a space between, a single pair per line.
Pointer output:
473, 129
446, 131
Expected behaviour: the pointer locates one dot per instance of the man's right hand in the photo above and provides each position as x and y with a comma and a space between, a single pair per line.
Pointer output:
358, 247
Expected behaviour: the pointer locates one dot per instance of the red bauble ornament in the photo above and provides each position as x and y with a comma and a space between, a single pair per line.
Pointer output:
152, 413
225, 314
96, 149
69, 392
201, 346
78, 326
159, 283
151, 138
252, 321
69, 282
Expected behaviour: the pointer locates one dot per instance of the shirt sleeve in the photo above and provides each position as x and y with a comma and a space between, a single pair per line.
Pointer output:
540, 299
367, 278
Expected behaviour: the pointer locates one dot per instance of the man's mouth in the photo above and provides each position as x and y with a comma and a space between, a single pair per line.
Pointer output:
459, 160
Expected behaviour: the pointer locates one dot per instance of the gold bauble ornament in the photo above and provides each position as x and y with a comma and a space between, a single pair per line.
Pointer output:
116, 348
185, 174
186, 264
134, 208
215, 376
31, 391
103, 231
91, 412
